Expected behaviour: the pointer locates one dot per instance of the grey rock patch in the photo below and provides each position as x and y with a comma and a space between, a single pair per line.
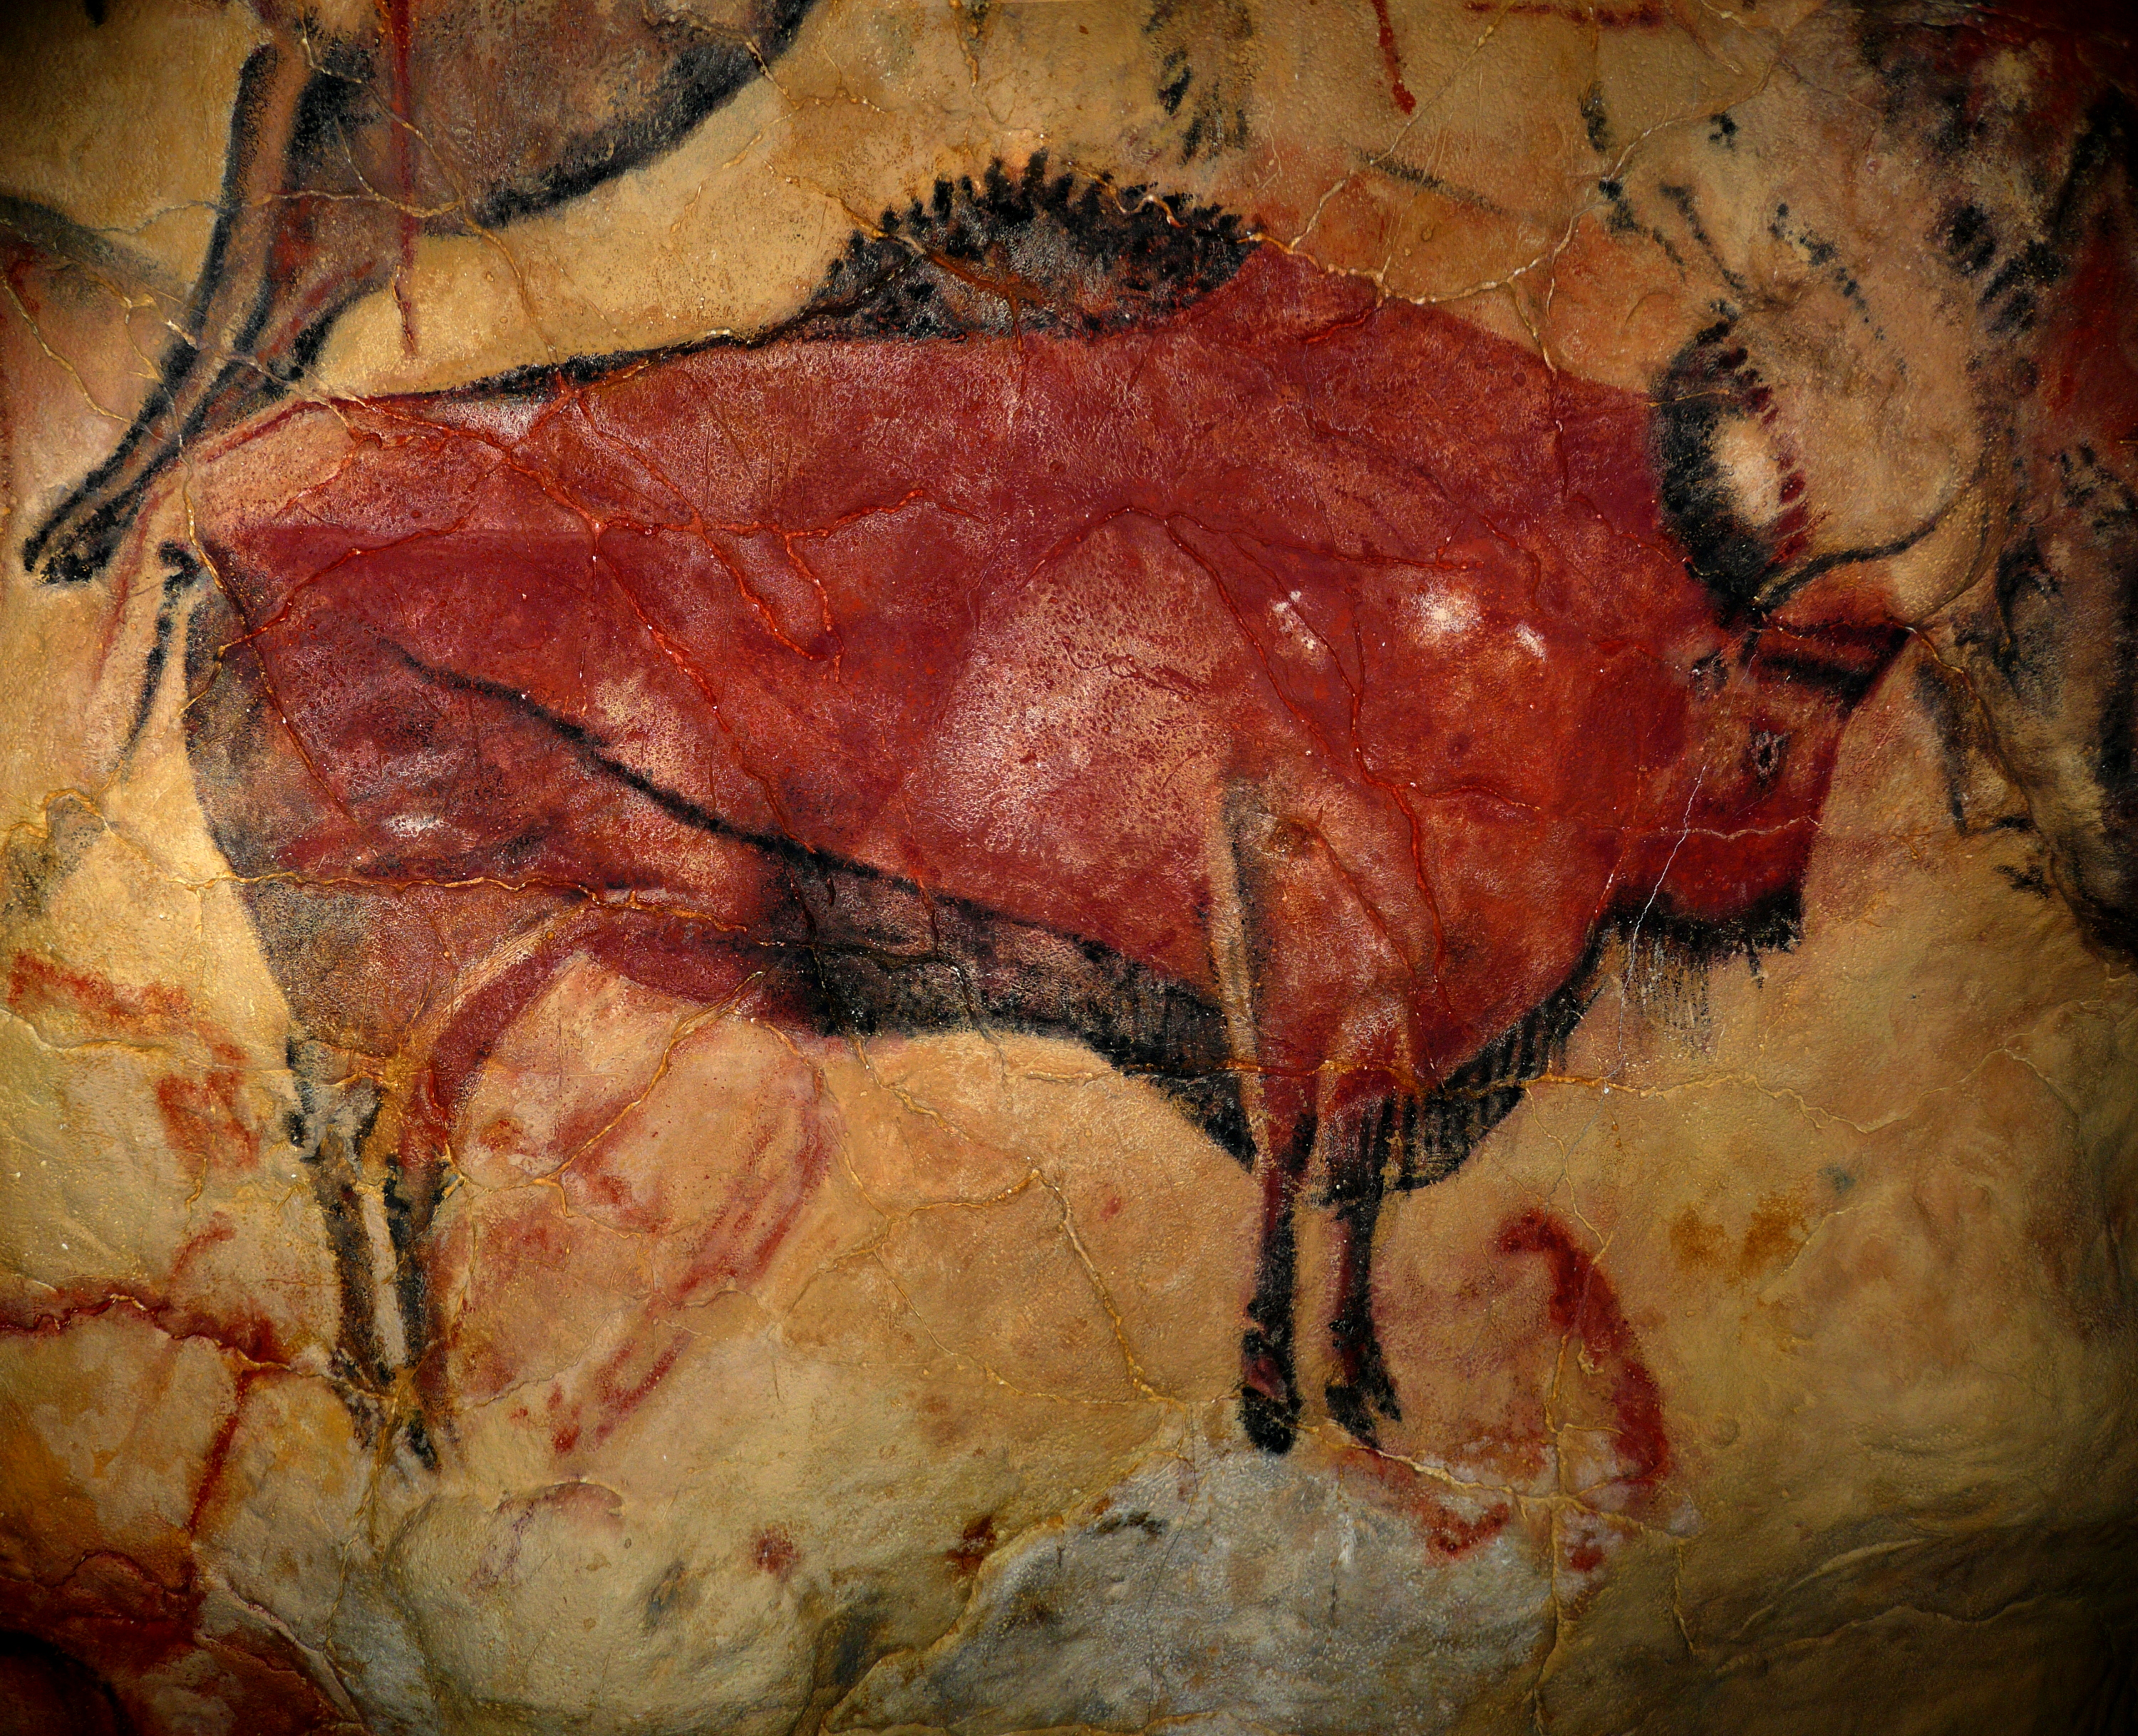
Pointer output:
1234, 1593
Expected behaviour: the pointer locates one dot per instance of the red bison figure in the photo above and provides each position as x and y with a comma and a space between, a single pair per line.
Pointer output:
1078, 620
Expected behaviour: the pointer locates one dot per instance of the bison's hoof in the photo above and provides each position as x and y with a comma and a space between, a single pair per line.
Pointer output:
1273, 1424
1352, 1409
72, 550
1364, 1390
79, 559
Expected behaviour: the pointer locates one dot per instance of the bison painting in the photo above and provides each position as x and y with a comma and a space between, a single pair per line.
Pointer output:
1080, 619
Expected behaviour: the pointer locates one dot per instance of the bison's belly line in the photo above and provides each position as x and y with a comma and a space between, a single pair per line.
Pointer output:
890, 954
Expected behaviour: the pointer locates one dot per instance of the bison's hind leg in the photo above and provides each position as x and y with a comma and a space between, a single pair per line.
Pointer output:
334, 1114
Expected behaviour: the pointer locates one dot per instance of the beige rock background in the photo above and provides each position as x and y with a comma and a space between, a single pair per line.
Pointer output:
954, 1446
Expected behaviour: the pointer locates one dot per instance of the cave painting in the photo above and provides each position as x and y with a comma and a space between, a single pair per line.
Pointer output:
1089, 699
356, 129
1078, 620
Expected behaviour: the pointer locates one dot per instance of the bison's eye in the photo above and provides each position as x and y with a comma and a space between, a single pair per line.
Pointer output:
1766, 754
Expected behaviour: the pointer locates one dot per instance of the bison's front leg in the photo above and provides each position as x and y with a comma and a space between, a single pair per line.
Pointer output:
690, 959
1290, 985
1269, 1387
1358, 1140
1360, 1149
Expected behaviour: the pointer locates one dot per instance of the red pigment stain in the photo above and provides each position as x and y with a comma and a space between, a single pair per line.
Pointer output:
774, 1552
584, 1506
399, 32
199, 1106
736, 1245
252, 1339
625, 1380
973, 1548
538, 1241
1453, 1535
1405, 102
200, 1117
135, 1636
242, 1330
1584, 1305
1446, 1531
733, 1248
1624, 17
460, 1050
216, 1459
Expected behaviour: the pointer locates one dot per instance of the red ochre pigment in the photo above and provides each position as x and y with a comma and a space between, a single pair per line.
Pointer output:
1014, 617
1584, 1305
1581, 1305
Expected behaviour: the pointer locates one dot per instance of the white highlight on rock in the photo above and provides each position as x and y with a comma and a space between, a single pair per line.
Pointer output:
411, 825
1437, 615
1286, 609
